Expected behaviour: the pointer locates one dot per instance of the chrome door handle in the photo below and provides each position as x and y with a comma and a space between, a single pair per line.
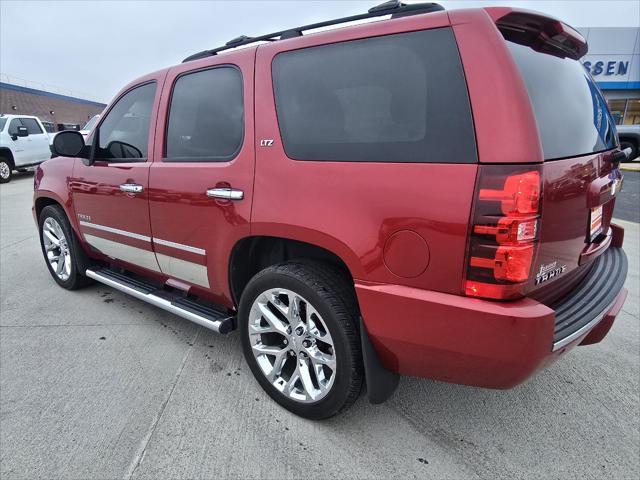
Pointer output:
225, 193
131, 188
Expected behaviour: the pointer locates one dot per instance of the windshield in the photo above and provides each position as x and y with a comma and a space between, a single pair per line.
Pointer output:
571, 113
3, 121
91, 123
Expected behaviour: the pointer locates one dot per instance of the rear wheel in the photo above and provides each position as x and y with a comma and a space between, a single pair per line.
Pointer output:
634, 149
5, 170
63, 255
298, 325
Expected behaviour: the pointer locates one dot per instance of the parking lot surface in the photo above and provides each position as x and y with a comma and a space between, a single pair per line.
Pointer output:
95, 384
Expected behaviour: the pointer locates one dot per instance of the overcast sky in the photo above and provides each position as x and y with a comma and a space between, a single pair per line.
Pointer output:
95, 48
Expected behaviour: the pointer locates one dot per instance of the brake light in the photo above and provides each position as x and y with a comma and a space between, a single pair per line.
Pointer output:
504, 233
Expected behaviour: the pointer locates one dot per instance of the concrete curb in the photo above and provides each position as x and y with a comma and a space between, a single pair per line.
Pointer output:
633, 166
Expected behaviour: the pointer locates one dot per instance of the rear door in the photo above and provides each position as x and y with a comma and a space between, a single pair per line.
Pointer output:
201, 180
580, 183
537, 109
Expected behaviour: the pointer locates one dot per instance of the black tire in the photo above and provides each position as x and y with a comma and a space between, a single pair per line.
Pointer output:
6, 170
333, 296
634, 149
79, 259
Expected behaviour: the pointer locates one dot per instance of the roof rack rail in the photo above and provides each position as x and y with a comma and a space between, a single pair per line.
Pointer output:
395, 8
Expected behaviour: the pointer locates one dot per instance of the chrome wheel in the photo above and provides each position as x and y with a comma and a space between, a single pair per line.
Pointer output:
5, 170
56, 248
292, 345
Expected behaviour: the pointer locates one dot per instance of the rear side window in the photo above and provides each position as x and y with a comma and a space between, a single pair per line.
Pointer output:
32, 126
395, 98
3, 122
206, 117
571, 113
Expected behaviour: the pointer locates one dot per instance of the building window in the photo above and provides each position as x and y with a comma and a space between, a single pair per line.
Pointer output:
616, 107
625, 111
632, 115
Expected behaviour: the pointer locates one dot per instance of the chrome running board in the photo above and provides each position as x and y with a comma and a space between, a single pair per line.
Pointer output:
217, 320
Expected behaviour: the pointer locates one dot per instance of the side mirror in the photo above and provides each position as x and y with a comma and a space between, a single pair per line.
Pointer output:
68, 144
20, 132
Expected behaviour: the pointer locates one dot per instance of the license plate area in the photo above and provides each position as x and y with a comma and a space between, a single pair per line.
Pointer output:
595, 223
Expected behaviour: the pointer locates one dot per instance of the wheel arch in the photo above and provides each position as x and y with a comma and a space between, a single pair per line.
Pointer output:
44, 198
254, 253
8, 154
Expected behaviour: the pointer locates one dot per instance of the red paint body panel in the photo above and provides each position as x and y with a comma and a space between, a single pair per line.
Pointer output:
506, 129
352, 209
51, 182
464, 340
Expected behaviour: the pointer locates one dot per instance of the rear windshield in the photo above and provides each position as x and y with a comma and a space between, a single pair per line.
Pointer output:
395, 98
571, 114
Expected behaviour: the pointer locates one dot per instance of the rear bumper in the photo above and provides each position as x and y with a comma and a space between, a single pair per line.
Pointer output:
483, 343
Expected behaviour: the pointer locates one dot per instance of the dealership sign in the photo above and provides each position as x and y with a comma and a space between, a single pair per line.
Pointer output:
614, 71
603, 67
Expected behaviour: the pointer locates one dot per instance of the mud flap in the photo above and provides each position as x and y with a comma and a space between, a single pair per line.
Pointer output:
381, 383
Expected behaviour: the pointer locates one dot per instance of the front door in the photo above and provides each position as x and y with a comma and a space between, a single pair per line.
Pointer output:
201, 181
111, 197
22, 147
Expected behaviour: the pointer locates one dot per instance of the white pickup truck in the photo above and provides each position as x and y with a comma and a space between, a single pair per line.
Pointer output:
24, 142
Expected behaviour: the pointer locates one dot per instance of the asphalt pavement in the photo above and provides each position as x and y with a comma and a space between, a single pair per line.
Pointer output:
95, 384
628, 203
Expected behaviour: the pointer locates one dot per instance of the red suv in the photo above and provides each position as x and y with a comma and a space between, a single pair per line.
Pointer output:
427, 195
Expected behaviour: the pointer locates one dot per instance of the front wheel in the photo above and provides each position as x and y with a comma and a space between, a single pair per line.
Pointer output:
5, 170
63, 255
299, 332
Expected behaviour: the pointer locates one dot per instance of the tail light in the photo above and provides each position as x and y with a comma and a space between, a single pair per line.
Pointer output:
504, 231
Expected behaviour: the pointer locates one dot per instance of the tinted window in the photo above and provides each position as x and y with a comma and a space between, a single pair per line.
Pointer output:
32, 126
124, 133
572, 116
3, 121
13, 126
396, 98
206, 116
49, 127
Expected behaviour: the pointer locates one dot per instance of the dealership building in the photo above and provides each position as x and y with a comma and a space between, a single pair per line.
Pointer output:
56, 111
614, 62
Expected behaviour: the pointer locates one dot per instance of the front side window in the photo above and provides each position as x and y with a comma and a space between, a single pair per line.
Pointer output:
32, 126
13, 126
394, 98
206, 116
124, 133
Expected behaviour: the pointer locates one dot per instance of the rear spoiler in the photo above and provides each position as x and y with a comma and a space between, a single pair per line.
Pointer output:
542, 33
